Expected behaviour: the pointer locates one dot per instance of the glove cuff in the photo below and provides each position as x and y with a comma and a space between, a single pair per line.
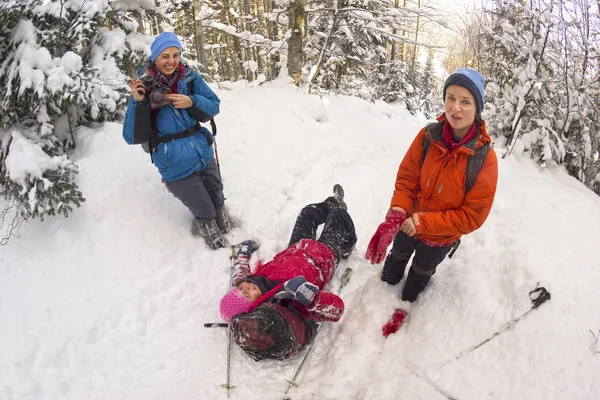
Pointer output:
395, 216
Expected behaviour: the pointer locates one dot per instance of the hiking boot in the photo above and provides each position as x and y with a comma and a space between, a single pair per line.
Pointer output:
338, 197
212, 234
223, 220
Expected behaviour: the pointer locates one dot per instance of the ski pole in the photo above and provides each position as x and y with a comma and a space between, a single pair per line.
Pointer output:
345, 279
538, 296
216, 325
228, 384
213, 127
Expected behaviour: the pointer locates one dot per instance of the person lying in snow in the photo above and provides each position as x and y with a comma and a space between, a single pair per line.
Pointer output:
273, 311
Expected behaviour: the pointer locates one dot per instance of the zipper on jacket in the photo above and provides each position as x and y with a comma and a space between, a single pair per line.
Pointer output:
439, 187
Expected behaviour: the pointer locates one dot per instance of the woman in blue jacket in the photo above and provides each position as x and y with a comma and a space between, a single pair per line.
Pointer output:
167, 105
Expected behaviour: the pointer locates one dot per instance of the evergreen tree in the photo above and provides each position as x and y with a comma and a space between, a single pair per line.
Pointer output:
542, 90
60, 69
519, 78
431, 97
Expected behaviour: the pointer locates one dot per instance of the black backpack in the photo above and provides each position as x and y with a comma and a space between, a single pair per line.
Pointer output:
272, 331
475, 161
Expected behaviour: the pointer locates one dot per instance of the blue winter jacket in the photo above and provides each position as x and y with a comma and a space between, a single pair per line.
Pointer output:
180, 158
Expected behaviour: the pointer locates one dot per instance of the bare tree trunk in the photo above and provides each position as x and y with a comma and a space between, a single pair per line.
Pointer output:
394, 32
199, 37
247, 50
334, 23
414, 57
513, 136
296, 17
255, 50
566, 67
157, 28
234, 50
272, 32
404, 47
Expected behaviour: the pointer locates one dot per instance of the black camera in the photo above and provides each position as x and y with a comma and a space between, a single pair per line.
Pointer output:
155, 92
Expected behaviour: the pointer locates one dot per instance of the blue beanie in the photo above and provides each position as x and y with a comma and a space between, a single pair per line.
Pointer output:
471, 80
162, 42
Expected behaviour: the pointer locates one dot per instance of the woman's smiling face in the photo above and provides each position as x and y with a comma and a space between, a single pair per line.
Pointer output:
168, 60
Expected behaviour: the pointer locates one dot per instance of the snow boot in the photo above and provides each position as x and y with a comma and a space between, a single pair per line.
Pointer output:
212, 234
223, 220
338, 194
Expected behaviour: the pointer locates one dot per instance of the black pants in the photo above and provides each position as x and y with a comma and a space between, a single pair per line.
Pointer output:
423, 267
338, 233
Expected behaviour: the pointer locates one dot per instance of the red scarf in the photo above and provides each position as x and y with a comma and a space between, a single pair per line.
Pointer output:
447, 136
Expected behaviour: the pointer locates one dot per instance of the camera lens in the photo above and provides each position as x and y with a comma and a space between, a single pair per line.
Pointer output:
157, 97
147, 79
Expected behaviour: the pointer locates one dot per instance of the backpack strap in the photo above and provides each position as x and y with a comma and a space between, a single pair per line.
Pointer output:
200, 116
156, 140
474, 162
474, 165
434, 129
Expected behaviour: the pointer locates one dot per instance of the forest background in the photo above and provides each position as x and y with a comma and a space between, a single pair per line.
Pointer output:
67, 63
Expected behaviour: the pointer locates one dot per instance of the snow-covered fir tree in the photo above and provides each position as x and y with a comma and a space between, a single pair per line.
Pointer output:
579, 91
62, 66
181, 14
345, 40
542, 83
519, 82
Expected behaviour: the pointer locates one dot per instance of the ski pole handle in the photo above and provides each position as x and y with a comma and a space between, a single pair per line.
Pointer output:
345, 279
216, 325
346, 276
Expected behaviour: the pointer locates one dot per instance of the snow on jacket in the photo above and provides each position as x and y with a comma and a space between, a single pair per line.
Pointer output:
433, 190
308, 258
180, 158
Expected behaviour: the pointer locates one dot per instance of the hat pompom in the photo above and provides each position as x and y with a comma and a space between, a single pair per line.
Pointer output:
234, 302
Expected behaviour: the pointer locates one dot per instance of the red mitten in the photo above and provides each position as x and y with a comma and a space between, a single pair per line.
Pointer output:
383, 236
395, 323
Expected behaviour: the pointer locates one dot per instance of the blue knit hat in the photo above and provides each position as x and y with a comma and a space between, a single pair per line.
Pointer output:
471, 80
162, 42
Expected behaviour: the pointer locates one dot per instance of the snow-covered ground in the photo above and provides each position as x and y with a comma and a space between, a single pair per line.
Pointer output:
110, 303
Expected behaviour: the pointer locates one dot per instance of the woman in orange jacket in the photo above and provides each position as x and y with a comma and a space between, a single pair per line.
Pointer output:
436, 200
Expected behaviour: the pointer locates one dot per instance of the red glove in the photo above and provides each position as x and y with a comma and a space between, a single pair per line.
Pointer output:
395, 323
384, 235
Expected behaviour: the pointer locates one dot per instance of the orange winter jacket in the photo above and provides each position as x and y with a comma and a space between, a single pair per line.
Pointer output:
432, 191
